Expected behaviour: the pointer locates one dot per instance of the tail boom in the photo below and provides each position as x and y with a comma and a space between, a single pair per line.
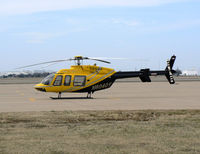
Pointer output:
144, 74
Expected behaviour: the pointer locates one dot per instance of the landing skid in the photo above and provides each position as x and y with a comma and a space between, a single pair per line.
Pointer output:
55, 98
89, 96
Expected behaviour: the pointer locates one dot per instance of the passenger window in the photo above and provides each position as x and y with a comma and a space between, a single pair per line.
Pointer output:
67, 80
79, 80
58, 80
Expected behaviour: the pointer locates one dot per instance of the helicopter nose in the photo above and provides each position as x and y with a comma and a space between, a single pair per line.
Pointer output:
39, 87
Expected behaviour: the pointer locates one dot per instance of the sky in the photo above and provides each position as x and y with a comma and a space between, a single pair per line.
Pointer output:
148, 32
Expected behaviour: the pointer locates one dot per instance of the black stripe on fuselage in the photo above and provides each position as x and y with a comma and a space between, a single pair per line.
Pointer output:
106, 83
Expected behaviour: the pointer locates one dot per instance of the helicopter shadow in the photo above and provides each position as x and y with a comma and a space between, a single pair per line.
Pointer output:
56, 98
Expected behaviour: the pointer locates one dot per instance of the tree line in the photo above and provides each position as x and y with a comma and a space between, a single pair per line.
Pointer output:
29, 75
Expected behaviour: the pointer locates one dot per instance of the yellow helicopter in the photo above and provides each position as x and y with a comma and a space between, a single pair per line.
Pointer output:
91, 78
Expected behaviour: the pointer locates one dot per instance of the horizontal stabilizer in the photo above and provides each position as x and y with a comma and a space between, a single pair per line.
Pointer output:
144, 77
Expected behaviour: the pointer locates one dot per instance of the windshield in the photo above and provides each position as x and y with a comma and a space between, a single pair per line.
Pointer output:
48, 79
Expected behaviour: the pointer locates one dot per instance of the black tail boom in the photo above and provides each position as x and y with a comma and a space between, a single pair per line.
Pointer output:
144, 74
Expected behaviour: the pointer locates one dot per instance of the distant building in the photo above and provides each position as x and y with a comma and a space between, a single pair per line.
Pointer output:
190, 73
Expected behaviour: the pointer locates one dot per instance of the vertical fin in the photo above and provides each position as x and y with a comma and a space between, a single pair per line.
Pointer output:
169, 74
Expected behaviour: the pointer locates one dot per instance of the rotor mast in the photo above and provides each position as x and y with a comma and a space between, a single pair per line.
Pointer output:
78, 60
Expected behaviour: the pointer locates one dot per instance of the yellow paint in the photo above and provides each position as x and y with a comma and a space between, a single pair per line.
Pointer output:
32, 99
94, 74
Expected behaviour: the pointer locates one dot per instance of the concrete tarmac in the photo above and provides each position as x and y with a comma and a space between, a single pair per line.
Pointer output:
121, 96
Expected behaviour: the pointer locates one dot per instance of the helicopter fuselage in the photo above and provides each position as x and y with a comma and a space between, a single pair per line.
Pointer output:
79, 78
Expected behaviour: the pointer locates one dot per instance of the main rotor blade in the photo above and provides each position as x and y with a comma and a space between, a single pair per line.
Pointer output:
110, 58
116, 58
100, 60
49, 62
48, 65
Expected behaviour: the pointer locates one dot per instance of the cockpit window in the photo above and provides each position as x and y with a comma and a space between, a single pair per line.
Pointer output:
48, 79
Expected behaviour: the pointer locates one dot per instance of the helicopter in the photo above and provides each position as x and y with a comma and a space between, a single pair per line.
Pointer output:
91, 78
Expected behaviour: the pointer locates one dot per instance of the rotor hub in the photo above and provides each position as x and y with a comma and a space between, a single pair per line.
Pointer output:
78, 58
